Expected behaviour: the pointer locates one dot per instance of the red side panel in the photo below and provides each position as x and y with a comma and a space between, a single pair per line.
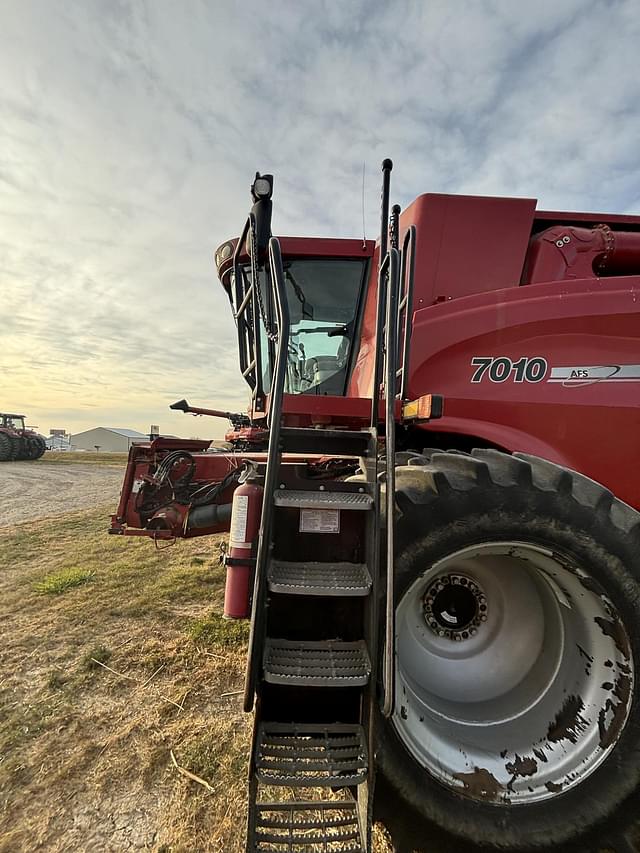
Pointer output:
548, 369
467, 244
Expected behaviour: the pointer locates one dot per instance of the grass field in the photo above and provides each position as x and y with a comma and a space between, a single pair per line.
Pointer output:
85, 753
114, 656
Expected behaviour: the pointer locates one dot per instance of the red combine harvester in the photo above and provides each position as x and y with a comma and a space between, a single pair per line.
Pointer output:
443, 590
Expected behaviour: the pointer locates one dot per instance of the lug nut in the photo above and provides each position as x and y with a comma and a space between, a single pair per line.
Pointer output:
453, 606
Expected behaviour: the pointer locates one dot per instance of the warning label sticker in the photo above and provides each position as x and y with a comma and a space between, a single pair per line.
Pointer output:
238, 532
319, 521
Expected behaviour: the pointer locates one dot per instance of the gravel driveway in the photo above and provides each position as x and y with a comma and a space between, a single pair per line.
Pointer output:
32, 490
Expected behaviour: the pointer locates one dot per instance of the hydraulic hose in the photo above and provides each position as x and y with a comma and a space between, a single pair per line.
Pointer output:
208, 516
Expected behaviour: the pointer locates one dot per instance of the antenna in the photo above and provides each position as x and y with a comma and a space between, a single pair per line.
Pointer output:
387, 166
364, 236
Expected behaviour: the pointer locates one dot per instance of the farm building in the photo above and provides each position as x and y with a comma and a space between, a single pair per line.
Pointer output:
58, 442
107, 439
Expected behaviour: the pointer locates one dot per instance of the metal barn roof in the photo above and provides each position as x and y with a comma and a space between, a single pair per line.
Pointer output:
128, 433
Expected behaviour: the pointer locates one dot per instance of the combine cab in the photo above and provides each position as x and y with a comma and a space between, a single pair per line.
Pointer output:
17, 441
434, 527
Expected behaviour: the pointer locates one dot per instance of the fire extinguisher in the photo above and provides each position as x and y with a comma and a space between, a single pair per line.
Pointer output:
240, 559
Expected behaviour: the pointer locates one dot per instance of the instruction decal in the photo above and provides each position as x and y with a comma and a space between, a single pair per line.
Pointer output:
319, 521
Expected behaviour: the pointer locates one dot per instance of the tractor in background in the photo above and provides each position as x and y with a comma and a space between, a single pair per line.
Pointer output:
18, 442
434, 529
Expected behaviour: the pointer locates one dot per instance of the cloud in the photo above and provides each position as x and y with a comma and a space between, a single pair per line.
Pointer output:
131, 132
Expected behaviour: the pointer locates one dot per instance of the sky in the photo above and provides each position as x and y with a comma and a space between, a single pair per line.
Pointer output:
130, 133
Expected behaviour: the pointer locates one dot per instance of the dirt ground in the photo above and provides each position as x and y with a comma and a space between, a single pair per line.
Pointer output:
39, 489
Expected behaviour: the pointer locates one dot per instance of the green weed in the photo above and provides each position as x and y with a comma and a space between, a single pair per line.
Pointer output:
58, 582
214, 630
101, 654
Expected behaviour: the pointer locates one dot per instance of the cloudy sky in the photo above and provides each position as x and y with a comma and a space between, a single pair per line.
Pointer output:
130, 131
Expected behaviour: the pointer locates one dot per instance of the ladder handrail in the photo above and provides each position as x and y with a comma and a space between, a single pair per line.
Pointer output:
406, 284
404, 307
391, 360
379, 354
246, 297
283, 326
383, 263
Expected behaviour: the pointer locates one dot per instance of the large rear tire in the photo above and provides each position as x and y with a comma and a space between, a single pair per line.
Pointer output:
12, 447
6, 447
21, 449
517, 721
36, 446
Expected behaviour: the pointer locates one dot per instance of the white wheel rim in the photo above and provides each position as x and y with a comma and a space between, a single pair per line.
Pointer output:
533, 697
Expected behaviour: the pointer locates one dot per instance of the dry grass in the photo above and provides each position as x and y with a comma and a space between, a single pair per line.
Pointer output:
101, 681
84, 749
64, 457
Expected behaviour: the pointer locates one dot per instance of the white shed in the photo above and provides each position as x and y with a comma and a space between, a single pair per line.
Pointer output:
108, 439
58, 442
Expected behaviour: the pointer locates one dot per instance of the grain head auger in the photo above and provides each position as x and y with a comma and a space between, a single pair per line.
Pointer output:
444, 598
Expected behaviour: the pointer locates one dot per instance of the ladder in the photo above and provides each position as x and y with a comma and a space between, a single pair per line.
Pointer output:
312, 676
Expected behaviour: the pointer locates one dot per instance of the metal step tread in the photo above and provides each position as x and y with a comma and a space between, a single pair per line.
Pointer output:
323, 499
309, 754
317, 663
330, 826
315, 578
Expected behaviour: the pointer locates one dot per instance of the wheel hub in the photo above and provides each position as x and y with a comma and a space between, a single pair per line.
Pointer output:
454, 607
513, 673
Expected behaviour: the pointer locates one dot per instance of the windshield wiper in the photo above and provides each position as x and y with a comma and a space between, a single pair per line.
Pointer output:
330, 331
307, 310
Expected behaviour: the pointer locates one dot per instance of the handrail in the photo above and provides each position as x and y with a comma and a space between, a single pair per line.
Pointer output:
394, 299
239, 294
274, 415
406, 303
248, 329
391, 362
380, 321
